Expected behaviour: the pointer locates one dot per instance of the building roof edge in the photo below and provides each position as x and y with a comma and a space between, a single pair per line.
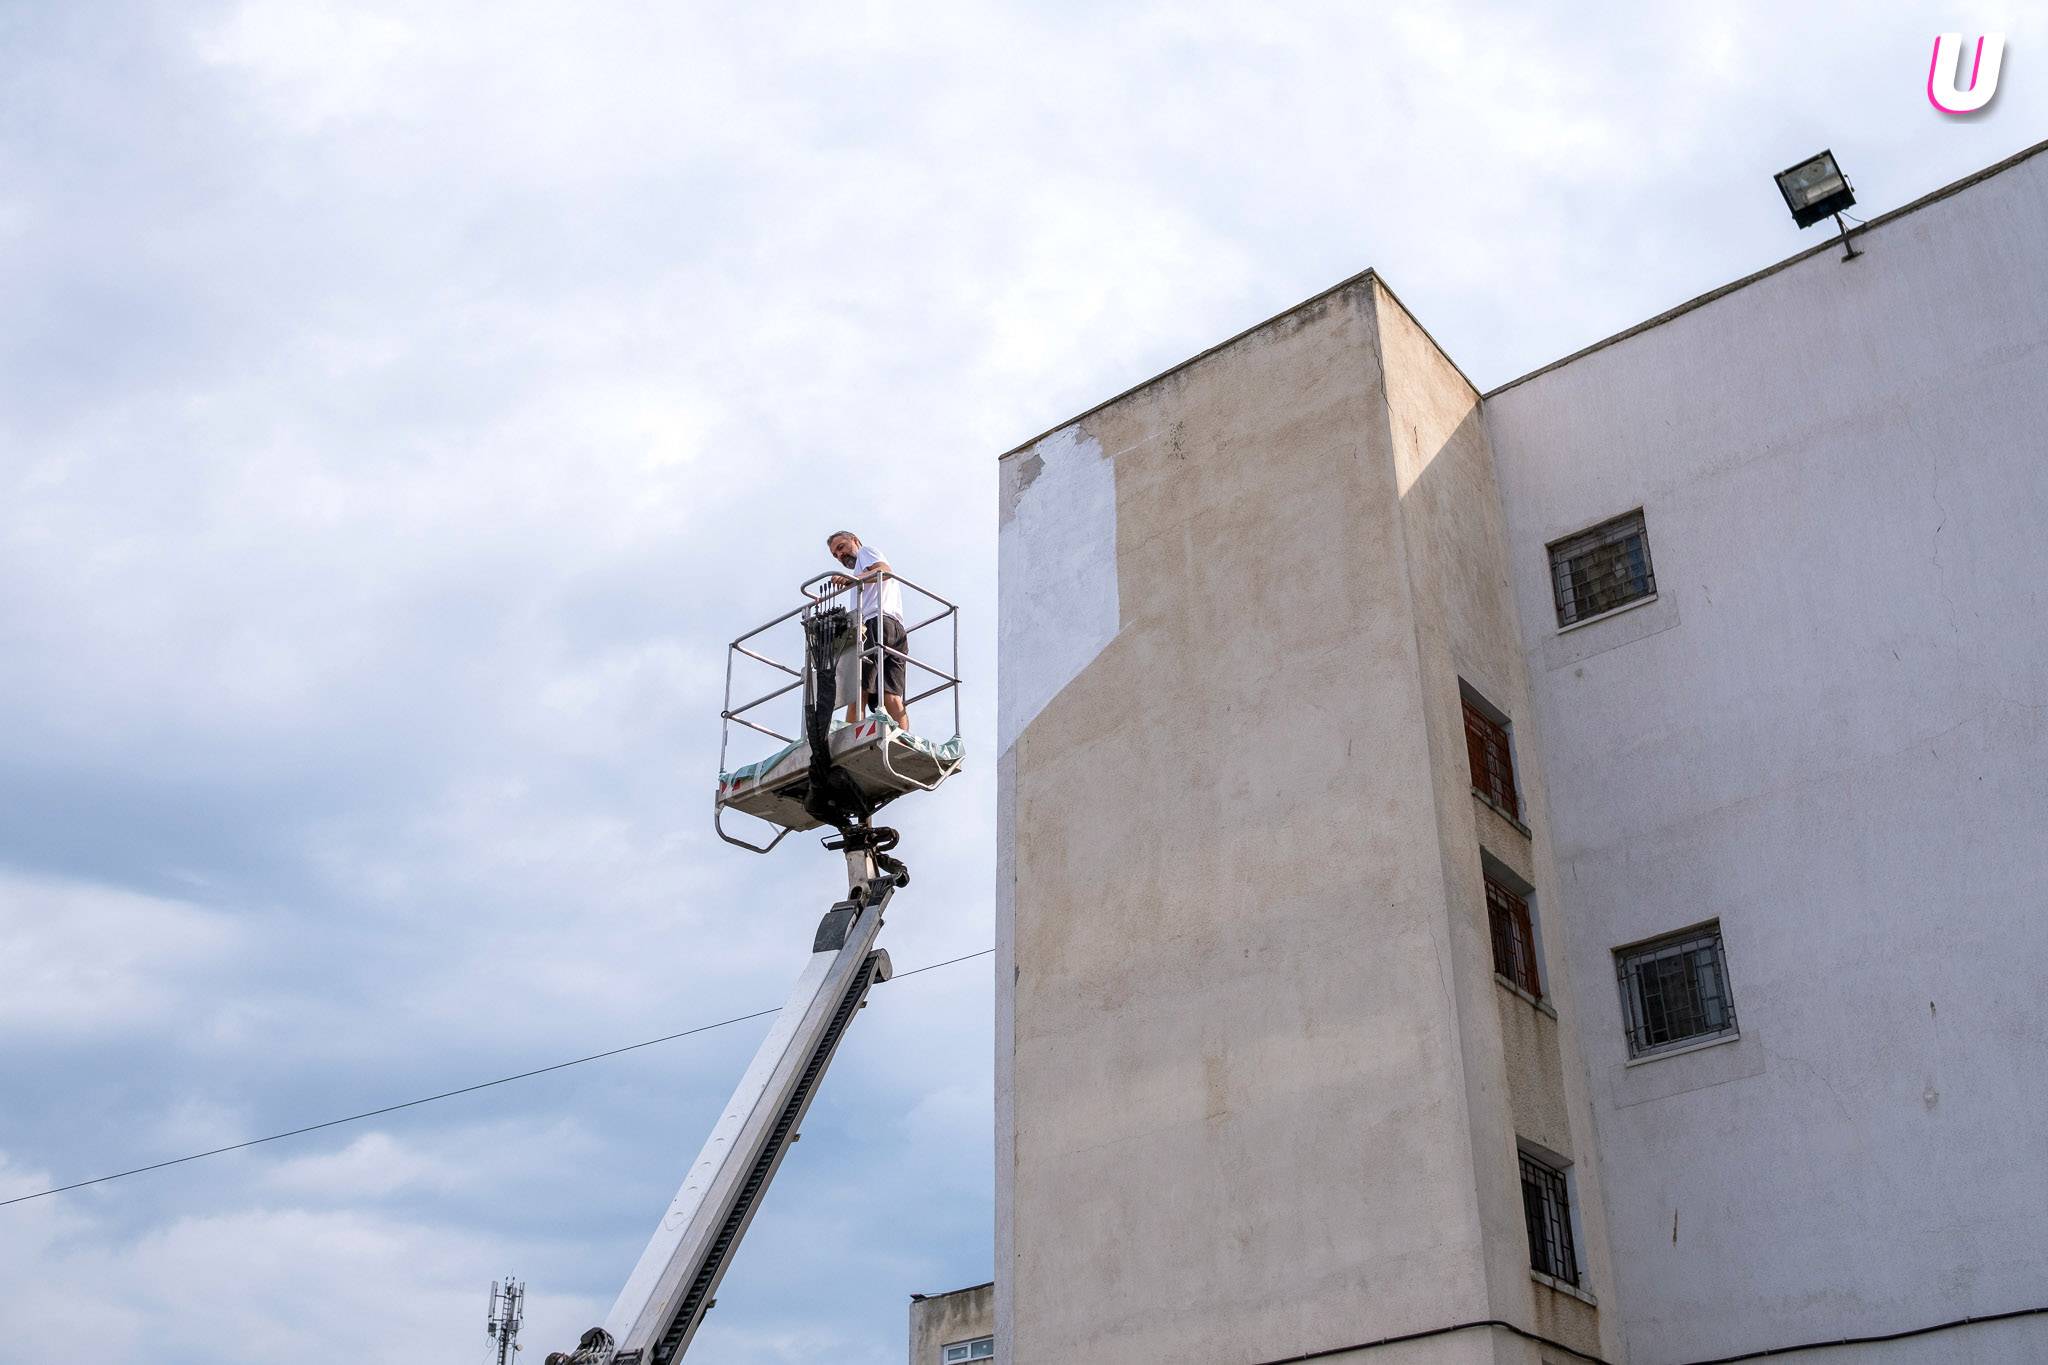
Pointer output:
1398, 303
1171, 370
949, 1293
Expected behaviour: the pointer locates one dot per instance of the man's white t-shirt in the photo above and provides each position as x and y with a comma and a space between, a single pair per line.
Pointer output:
888, 594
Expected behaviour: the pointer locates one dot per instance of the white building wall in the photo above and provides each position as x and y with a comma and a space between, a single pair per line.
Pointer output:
1830, 731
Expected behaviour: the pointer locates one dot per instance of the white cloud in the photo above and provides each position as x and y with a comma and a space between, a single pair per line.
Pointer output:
88, 959
372, 1166
267, 1284
326, 62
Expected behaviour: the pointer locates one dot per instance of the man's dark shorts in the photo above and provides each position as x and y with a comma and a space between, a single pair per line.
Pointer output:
894, 670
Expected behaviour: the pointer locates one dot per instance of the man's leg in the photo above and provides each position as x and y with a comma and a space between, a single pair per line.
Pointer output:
895, 672
870, 697
873, 680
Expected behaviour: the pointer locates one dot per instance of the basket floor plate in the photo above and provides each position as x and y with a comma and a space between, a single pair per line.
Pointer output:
885, 761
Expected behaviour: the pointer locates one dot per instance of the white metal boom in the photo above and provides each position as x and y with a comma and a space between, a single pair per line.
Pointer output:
665, 1298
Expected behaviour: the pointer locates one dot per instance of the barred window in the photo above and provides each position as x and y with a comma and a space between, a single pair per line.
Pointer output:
1675, 990
1546, 1205
1493, 765
1601, 569
1514, 936
981, 1348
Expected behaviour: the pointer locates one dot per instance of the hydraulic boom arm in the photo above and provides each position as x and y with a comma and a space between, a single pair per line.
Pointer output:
665, 1299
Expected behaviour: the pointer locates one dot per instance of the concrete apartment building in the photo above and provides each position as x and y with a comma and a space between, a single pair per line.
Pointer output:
1550, 874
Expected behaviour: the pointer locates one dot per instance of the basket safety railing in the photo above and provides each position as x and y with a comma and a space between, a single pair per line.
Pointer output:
931, 639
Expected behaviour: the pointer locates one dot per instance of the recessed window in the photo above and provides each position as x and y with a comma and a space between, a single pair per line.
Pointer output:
1674, 990
1547, 1208
1493, 764
981, 1348
1598, 570
1514, 935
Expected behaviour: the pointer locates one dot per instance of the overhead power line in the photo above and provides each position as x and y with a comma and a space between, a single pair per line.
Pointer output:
447, 1094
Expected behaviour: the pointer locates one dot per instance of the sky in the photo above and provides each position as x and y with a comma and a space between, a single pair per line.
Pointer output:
401, 407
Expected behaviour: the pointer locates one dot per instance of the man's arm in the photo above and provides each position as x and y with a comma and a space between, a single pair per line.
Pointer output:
875, 568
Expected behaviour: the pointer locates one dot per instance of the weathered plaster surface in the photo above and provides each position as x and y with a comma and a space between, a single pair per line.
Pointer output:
941, 1320
1006, 973
1259, 1089
1235, 1090
1523, 1076
1057, 560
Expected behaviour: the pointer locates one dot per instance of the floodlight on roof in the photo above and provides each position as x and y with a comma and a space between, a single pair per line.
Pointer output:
1817, 189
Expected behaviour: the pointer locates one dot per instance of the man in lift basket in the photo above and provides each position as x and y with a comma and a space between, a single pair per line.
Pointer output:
881, 609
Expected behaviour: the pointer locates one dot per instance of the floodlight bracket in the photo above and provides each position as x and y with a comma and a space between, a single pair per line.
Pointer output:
1849, 251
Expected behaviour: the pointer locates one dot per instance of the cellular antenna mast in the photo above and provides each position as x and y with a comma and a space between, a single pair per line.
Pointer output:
822, 653
508, 1309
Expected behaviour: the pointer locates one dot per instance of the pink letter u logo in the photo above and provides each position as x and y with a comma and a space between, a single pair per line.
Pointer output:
1942, 71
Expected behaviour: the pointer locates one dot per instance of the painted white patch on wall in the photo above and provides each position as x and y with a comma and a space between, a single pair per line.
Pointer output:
1056, 576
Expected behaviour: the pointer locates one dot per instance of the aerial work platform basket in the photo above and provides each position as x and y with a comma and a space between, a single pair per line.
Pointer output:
783, 675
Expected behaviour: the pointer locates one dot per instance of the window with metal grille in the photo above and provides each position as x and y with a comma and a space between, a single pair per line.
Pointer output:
1493, 766
1598, 570
1546, 1205
1514, 936
981, 1348
1675, 990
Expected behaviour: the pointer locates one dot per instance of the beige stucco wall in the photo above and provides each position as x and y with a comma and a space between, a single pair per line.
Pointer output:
1239, 1124
939, 1320
1251, 1095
